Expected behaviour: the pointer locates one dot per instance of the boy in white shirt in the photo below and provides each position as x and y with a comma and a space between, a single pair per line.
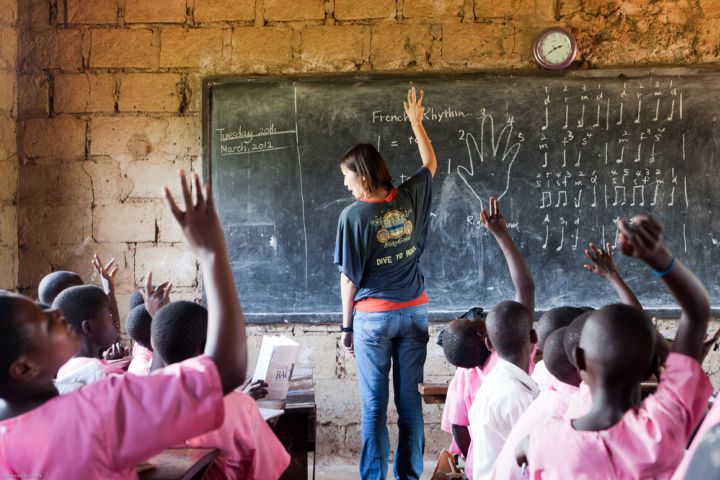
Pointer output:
507, 390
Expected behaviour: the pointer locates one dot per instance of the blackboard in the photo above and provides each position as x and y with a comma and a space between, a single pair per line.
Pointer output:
566, 154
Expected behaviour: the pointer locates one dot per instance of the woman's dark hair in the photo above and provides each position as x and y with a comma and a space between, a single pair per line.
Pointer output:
365, 161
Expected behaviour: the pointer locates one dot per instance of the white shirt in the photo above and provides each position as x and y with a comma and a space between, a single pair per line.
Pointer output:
542, 375
504, 395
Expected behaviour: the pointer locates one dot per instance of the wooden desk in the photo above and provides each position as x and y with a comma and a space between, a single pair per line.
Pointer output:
180, 464
296, 431
433, 392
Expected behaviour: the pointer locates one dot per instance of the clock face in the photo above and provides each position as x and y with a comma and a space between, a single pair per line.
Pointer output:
555, 49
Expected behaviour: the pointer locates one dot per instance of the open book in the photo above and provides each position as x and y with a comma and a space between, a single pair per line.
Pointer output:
275, 364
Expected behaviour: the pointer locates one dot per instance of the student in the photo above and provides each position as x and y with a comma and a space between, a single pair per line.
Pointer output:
93, 432
581, 402
552, 402
465, 348
248, 448
53, 283
87, 309
549, 322
617, 439
507, 390
138, 324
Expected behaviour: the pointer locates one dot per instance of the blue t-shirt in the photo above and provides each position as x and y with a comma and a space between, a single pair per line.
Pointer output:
379, 244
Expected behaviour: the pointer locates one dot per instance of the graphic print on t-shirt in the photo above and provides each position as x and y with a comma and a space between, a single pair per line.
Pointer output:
395, 227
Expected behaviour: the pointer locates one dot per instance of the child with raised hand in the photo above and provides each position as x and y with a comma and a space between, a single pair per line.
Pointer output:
101, 438
552, 402
139, 321
507, 390
248, 448
617, 439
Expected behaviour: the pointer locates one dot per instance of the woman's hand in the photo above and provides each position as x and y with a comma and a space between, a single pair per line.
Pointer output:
413, 106
347, 342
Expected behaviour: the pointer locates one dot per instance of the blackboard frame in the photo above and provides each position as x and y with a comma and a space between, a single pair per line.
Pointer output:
210, 82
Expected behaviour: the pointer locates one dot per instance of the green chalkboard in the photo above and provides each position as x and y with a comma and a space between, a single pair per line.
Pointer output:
567, 155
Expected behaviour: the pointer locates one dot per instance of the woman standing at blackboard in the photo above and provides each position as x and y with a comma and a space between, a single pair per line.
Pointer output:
380, 239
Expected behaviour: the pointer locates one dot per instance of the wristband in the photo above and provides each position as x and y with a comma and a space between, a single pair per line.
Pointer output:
346, 329
666, 271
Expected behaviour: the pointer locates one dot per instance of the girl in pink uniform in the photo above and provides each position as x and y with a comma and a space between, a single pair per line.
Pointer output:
248, 448
616, 438
105, 429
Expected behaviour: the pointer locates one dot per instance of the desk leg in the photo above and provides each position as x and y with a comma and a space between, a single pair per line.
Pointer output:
297, 434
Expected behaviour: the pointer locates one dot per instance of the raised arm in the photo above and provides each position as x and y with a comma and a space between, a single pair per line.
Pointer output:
603, 265
414, 110
226, 342
644, 240
107, 274
519, 271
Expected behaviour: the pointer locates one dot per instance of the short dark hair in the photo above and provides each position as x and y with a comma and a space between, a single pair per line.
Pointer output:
464, 345
619, 340
138, 324
555, 358
13, 336
179, 331
552, 320
572, 336
80, 303
364, 160
135, 299
509, 325
53, 283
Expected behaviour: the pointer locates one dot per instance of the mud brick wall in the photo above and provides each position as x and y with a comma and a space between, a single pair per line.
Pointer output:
105, 96
8, 145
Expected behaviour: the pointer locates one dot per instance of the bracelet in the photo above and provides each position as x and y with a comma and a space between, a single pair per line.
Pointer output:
667, 270
346, 329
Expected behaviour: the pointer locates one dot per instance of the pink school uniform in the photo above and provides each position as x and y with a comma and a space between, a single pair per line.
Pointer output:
81, 371
248, 447
460, 395
141, 360
711, 419
106, 429
648, 442
541, 375
551, 403
580, 403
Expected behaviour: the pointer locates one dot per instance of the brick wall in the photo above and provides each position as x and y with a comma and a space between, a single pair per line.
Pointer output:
8, 146
108, 98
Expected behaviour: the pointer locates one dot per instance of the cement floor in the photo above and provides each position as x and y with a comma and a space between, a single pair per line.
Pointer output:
350, 472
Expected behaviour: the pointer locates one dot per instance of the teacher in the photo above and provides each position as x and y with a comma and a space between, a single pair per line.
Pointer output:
380, 239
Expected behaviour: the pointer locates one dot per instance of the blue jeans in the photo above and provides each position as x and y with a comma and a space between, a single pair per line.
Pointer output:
400, 336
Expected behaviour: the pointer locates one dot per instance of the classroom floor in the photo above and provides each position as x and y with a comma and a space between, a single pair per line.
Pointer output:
350, 472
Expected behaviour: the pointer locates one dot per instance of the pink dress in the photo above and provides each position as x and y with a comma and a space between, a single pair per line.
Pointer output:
141, 361
711, 419
460, 395
107, 428
551, 403
248, 448
648, 442
81, 371
541, 375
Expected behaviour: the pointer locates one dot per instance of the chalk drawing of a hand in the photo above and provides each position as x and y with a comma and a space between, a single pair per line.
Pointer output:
495, 159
